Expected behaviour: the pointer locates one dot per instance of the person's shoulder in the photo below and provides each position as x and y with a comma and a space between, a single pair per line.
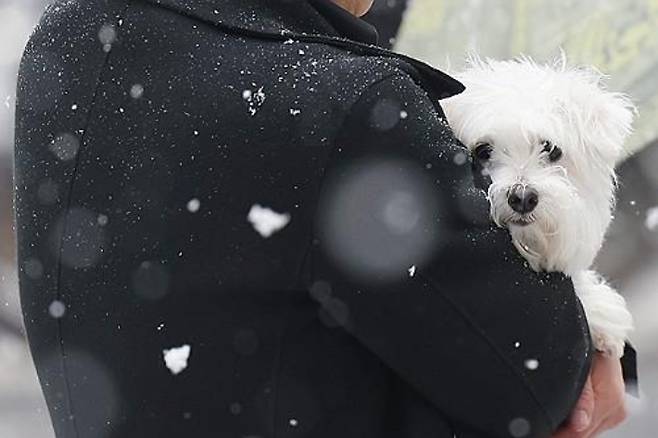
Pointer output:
337, 83
393, 114
348, 69
351, 81
389, 91
356, 73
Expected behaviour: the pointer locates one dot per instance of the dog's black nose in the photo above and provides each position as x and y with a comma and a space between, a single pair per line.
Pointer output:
522, 199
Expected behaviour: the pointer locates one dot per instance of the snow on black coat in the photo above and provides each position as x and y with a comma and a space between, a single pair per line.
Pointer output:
386, 306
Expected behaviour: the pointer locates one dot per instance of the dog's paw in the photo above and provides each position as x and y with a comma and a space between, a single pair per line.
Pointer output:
608, 344
609, 319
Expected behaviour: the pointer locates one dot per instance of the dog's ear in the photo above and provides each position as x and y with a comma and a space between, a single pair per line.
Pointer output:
606, 120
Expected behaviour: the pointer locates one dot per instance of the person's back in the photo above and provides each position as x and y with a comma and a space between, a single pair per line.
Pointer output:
147, 133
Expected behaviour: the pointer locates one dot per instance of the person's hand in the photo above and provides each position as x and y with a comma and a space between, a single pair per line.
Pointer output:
601, 405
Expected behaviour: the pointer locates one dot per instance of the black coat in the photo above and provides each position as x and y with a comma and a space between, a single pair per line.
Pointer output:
387, 18
139, 157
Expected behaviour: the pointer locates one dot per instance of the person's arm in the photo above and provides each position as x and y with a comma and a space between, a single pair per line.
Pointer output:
497, 348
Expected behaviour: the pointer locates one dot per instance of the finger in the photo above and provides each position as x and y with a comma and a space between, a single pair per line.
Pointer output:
613, 419
610, 408
597, 426
581, 418
601, 402
603, 421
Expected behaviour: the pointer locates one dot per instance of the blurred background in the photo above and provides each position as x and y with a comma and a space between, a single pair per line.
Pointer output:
619, 37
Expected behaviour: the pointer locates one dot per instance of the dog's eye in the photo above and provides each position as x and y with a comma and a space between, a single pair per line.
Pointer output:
483, 151
554, 152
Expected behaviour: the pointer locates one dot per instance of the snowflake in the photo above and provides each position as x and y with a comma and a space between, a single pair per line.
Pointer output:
136, 91
255, 99
57, 309
651, 221
412, 271
193, 205
266, 221
176, 358
532, 364
460, 158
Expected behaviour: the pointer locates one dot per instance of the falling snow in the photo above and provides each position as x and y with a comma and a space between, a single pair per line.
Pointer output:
136, 91
412, 271
531, 364
235, 408
651, 221
33, 268
102, 220
57, 309
519, 427
107, 35
176, 358
151, 279
386, 114
65, 146
193, 205
460, 158
266, 221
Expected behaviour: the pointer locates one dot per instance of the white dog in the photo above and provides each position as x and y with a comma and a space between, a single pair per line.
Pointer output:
549, 137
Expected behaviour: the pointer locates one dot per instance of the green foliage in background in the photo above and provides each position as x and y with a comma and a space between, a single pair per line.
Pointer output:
618, 37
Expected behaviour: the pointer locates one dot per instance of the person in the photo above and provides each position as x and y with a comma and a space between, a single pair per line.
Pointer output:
240, 217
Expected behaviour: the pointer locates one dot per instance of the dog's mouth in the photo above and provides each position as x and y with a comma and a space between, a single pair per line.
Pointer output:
521, 221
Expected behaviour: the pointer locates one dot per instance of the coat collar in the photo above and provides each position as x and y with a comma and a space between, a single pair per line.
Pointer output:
346, 24
281, 20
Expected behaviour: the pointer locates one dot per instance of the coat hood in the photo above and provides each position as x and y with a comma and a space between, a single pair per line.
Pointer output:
297, 19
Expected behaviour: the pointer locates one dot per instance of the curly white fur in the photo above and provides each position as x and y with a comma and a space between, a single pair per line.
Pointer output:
514, 108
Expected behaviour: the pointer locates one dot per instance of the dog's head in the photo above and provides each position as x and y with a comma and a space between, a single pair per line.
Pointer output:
549, 137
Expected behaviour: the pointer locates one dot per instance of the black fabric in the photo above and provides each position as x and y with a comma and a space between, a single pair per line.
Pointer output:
282, 20
449, 308
629, 369
147, 131
345, 23
387, 17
